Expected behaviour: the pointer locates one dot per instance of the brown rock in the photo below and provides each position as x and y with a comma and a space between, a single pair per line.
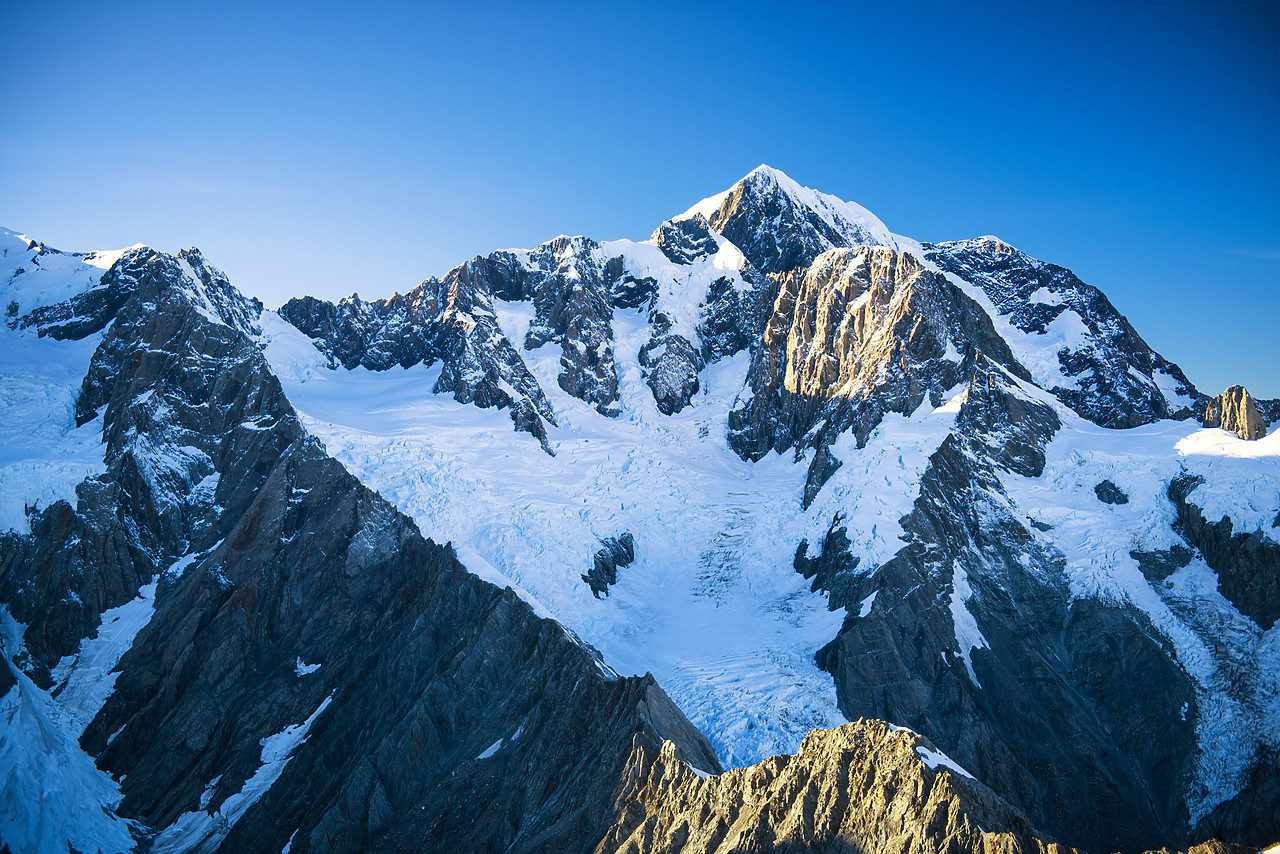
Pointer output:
859, 787
1234, 410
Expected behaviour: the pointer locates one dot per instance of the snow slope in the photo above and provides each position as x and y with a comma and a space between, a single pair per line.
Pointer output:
1235, 665
711, 606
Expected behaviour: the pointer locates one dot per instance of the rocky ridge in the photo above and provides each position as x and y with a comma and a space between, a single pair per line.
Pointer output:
291, 602
289, 596
1235, 410
861, 787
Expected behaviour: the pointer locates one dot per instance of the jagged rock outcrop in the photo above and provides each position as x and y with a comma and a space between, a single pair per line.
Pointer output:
858, 334
316, 675
972, 639
1097, 363
781, 226
451, 321
1247, 563
1014, 428
163, 459
614, 552
84, 312
571, 297
437, 708
684, 338
1235, 411
1109, 493
860, 787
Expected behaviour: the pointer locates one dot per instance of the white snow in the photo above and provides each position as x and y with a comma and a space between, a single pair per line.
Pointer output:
34, 281
711, 606
43, 455
301, 668
51, 794
84, 680
1242, 478
936, 759
200, 832
491, 749
968, 636
878, 484
864, 607
1169, 388
848, 219
681, 287
1235, 666
1044, 296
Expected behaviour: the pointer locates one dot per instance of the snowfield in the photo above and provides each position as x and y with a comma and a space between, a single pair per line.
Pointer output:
712, 605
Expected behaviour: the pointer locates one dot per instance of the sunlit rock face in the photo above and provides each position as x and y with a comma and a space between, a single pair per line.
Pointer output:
859, 333
1090, 356
793, 467
1235, 410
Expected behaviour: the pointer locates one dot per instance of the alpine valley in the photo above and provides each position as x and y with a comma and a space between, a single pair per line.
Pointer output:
776, 531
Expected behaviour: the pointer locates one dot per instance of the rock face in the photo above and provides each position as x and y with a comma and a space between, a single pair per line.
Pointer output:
85, 312
614, 552
1235, 410
971, 638
698, 311
781, 226
450, 321
861, 787
1247, 563
290, 597
1103, 370
858, 334
316, 675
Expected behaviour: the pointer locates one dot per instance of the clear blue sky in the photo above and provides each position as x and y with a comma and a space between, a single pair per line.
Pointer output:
325, 149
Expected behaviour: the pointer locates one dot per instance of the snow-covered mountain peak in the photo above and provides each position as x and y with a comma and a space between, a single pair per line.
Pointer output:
781, 225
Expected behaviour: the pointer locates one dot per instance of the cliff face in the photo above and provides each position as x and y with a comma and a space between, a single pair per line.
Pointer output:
1236, 411
1013, 540
1095, 361
314, 670
861, 787
856, 335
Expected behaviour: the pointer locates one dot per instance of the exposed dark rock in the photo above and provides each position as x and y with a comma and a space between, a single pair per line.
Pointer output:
671, 367
823, 466
1268, 409
779, 232
1015, 428
1247, 563
832, 570
860, 787
179, 436
856, 335
572, 299
684, 241
615, 552
1115, 372
1159, 565
1235, 411
1109, 493
86, 312
445, 714
1253, 816
451, 321
1041, 666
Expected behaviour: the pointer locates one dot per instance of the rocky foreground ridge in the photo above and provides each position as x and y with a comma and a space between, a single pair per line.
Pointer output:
223, 640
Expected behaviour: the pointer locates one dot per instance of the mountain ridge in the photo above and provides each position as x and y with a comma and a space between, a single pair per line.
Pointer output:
932, 537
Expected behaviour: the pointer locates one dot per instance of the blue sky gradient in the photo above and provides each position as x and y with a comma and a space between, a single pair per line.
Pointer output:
323, 149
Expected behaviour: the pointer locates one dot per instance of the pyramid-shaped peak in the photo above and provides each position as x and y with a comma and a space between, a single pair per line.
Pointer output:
780, 224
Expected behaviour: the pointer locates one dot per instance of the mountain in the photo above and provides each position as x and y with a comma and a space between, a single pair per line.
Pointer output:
523, 558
